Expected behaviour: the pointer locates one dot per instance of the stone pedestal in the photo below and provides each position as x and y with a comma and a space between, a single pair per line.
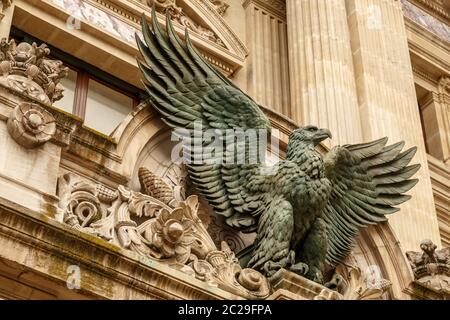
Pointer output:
287, 285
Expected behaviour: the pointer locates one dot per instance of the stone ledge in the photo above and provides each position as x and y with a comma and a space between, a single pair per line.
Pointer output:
36, 242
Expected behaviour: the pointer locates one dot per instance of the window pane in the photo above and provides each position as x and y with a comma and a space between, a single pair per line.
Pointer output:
69, 83
105, 107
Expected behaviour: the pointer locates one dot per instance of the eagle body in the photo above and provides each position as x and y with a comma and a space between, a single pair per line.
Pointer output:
300, 191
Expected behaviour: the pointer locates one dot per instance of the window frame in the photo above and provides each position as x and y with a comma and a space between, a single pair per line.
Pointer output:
85, 72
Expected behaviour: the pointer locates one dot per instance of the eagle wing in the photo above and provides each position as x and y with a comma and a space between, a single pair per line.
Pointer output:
189, 93
368, 181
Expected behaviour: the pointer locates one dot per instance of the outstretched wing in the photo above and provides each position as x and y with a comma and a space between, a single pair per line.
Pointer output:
189, 93
368, 181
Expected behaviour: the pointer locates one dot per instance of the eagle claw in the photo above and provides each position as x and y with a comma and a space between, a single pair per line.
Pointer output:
299, 268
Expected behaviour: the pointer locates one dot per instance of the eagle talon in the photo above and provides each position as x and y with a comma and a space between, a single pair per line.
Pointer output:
300, 268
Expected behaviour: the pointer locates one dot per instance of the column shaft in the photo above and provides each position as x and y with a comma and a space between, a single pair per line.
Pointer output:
388, 105
323, 90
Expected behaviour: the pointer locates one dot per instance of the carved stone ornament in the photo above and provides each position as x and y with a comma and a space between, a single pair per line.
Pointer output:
177, 14
220, 6
431, 267
30, 125
161, 225
26, 68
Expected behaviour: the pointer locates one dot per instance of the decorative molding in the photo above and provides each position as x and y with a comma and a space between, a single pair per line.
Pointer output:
435, 7
431, 267
30, 125
424, 75
170, 233
426, 20
27, 69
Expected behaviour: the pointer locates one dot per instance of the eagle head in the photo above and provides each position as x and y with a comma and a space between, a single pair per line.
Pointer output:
310, 135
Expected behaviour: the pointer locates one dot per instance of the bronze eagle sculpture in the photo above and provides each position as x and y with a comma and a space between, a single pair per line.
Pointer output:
308, 212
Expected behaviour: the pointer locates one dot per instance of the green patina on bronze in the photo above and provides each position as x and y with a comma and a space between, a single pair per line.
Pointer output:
306, 210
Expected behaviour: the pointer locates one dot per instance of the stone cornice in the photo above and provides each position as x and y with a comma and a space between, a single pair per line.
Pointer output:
434, 7
426, 21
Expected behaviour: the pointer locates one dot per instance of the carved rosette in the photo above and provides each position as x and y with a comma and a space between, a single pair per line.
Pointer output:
30, 125
27, 69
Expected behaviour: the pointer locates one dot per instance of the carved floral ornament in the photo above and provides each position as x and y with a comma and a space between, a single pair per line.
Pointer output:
30, 125
27, 69
167, 229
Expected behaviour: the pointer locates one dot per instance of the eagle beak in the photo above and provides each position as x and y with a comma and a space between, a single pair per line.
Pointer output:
321, 135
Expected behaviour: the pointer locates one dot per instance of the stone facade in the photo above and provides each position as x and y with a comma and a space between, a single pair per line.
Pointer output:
85, 215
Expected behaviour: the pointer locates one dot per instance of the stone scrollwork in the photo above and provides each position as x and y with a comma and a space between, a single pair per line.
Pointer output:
26, 68
161, 225
79, 205
30, 125
431, 267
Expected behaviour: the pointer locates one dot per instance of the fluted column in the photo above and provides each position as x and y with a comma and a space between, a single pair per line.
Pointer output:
388, 104
323, 88
268, 75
